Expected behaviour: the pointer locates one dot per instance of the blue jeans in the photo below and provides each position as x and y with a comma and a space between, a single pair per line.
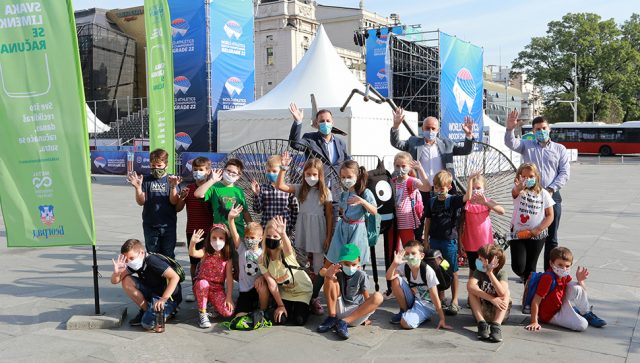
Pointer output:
160, 238
149, 317
418, 311
449, 250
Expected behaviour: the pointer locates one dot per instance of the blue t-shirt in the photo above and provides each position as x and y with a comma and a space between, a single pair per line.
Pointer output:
157, 208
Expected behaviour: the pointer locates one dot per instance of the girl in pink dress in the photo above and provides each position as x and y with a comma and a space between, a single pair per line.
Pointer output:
214, 271
477, 224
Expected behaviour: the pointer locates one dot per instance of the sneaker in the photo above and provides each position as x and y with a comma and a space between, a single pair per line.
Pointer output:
452, 309
397, 317
137, 320
327, 324
203, 320
190, 298
526, 310
594, 320
496, 333
341, 329
316, 308
483, 330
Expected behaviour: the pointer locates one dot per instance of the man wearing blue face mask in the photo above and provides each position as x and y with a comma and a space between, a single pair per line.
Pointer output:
551, 159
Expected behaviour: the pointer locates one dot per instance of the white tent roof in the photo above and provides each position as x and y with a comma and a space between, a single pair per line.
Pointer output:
94, 124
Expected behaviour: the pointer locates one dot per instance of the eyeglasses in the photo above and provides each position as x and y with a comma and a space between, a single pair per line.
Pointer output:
231, 173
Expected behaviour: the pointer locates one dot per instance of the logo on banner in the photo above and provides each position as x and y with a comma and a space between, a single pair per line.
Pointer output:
179, 27
233, 29
100, 162
381, 74
181, 84
46, 214
183, 140
464, 90
382, 40
234, 85
190, 165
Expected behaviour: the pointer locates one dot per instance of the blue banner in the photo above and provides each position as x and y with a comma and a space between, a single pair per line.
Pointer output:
187, 160
190, 89
141, 163
109, 162
460, 87
232, 57
376, 54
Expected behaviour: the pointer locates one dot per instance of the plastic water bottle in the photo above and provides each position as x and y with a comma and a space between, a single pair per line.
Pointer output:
160, 321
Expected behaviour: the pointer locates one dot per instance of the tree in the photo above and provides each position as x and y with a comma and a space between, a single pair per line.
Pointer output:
608, 59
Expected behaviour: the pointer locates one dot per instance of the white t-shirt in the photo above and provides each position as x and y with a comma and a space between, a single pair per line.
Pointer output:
528, 210
422, 291
249, 268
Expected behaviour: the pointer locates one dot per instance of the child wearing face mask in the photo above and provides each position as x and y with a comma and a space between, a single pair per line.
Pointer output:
214, 272
532, 215
199, 215
407, 193
355, 201
477, 231
314, 225
269, 201
415, 288
561, 301
489, 295
348, 300
288, 283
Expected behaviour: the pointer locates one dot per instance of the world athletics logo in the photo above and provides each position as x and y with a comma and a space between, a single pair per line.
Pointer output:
179, 26
464, 89
181, 84
382, 40
381, 74
183, 141
100, 162
234, 85
233, 29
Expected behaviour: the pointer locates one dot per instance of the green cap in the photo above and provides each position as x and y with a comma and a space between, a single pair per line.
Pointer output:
349, 252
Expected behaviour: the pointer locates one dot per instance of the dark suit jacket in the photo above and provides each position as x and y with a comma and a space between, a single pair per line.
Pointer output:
446, 147
315, 142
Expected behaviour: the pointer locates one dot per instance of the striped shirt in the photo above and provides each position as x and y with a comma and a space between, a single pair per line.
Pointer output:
199, 214
406, 217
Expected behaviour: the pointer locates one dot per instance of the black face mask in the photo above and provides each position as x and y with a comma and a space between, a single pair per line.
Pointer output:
272, 244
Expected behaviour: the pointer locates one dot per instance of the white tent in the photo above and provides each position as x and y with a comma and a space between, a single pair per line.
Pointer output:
493, 134
94, 124
320, 72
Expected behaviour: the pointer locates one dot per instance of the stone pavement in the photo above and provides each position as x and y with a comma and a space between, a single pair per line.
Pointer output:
40, 289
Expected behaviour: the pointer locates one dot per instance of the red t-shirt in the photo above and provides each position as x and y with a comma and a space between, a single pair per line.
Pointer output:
551, 300
199, 215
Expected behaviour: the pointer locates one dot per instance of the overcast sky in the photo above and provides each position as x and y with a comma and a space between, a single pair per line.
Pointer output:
502, 28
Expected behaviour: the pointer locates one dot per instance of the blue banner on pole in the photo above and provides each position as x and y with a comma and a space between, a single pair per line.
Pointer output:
109, 162
190, 88
232, 57
460, 86
376, 54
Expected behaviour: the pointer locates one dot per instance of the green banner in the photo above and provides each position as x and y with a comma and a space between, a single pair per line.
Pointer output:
157, 25
45, 193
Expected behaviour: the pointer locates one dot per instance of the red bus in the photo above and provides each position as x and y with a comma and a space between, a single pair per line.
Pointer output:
596, 137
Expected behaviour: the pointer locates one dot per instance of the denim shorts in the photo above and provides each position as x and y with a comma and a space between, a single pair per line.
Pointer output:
149, 317
419, 310
449, 250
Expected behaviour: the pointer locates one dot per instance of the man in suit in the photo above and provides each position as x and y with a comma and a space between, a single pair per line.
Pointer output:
321, 143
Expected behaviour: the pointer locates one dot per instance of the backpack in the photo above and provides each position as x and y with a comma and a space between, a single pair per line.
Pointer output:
416, 203
252, 321
423, 274
372, 222
532, 285
171, 262
441, 267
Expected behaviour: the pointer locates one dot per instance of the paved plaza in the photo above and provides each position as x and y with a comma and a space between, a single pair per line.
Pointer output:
40, 289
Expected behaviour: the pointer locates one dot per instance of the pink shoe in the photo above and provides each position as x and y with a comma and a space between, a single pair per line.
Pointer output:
316, 308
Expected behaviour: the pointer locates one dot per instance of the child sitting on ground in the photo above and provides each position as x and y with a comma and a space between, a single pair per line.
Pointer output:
345, 288
561, 301
417, 293
489, 294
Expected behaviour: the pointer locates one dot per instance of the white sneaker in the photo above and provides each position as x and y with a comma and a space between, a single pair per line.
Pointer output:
204, 321
190, 298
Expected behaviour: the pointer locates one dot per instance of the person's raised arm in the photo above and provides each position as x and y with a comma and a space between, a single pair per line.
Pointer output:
182, 199
510, 139
467, 127
494, 206
216, 176
280, 184
258, 207
233, 231
174, 181
295, 135
119, 269
136, 182
196, 237
397, 260
394, 133
518, 186
370, 206
422, 183
280, 224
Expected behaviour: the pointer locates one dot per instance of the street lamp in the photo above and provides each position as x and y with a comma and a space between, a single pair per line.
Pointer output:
574, 103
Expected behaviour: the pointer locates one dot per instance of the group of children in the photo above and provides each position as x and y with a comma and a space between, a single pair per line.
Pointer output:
225, 245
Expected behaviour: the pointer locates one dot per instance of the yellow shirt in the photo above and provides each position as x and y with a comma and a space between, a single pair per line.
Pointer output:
292, 288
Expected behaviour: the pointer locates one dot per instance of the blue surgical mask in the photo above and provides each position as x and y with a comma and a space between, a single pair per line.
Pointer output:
349, 270
480, 265
530, 183
542, 136
429, 135
325, 128
199, 175
271, 177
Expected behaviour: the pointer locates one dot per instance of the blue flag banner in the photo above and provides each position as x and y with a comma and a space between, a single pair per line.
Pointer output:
376, 54
109, 162
460, 86
232, 57
190, 88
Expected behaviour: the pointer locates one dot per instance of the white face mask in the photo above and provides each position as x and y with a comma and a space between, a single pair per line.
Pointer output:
228, 178
136, 263
560, 271
348, 183
199, 175
218, 244
311, 180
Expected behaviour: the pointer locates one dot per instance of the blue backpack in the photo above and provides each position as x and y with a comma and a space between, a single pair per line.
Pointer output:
532, 285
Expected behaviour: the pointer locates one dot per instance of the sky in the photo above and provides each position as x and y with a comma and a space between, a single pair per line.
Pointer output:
501, 27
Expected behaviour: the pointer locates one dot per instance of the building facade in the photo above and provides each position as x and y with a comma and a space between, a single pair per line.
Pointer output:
504, 92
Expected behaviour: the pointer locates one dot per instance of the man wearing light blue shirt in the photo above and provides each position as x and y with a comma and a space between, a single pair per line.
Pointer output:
553, 161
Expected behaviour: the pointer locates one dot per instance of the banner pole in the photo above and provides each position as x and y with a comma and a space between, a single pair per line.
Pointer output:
96, 291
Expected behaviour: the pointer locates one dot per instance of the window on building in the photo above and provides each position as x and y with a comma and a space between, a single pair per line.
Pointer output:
270, 56
269, 37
